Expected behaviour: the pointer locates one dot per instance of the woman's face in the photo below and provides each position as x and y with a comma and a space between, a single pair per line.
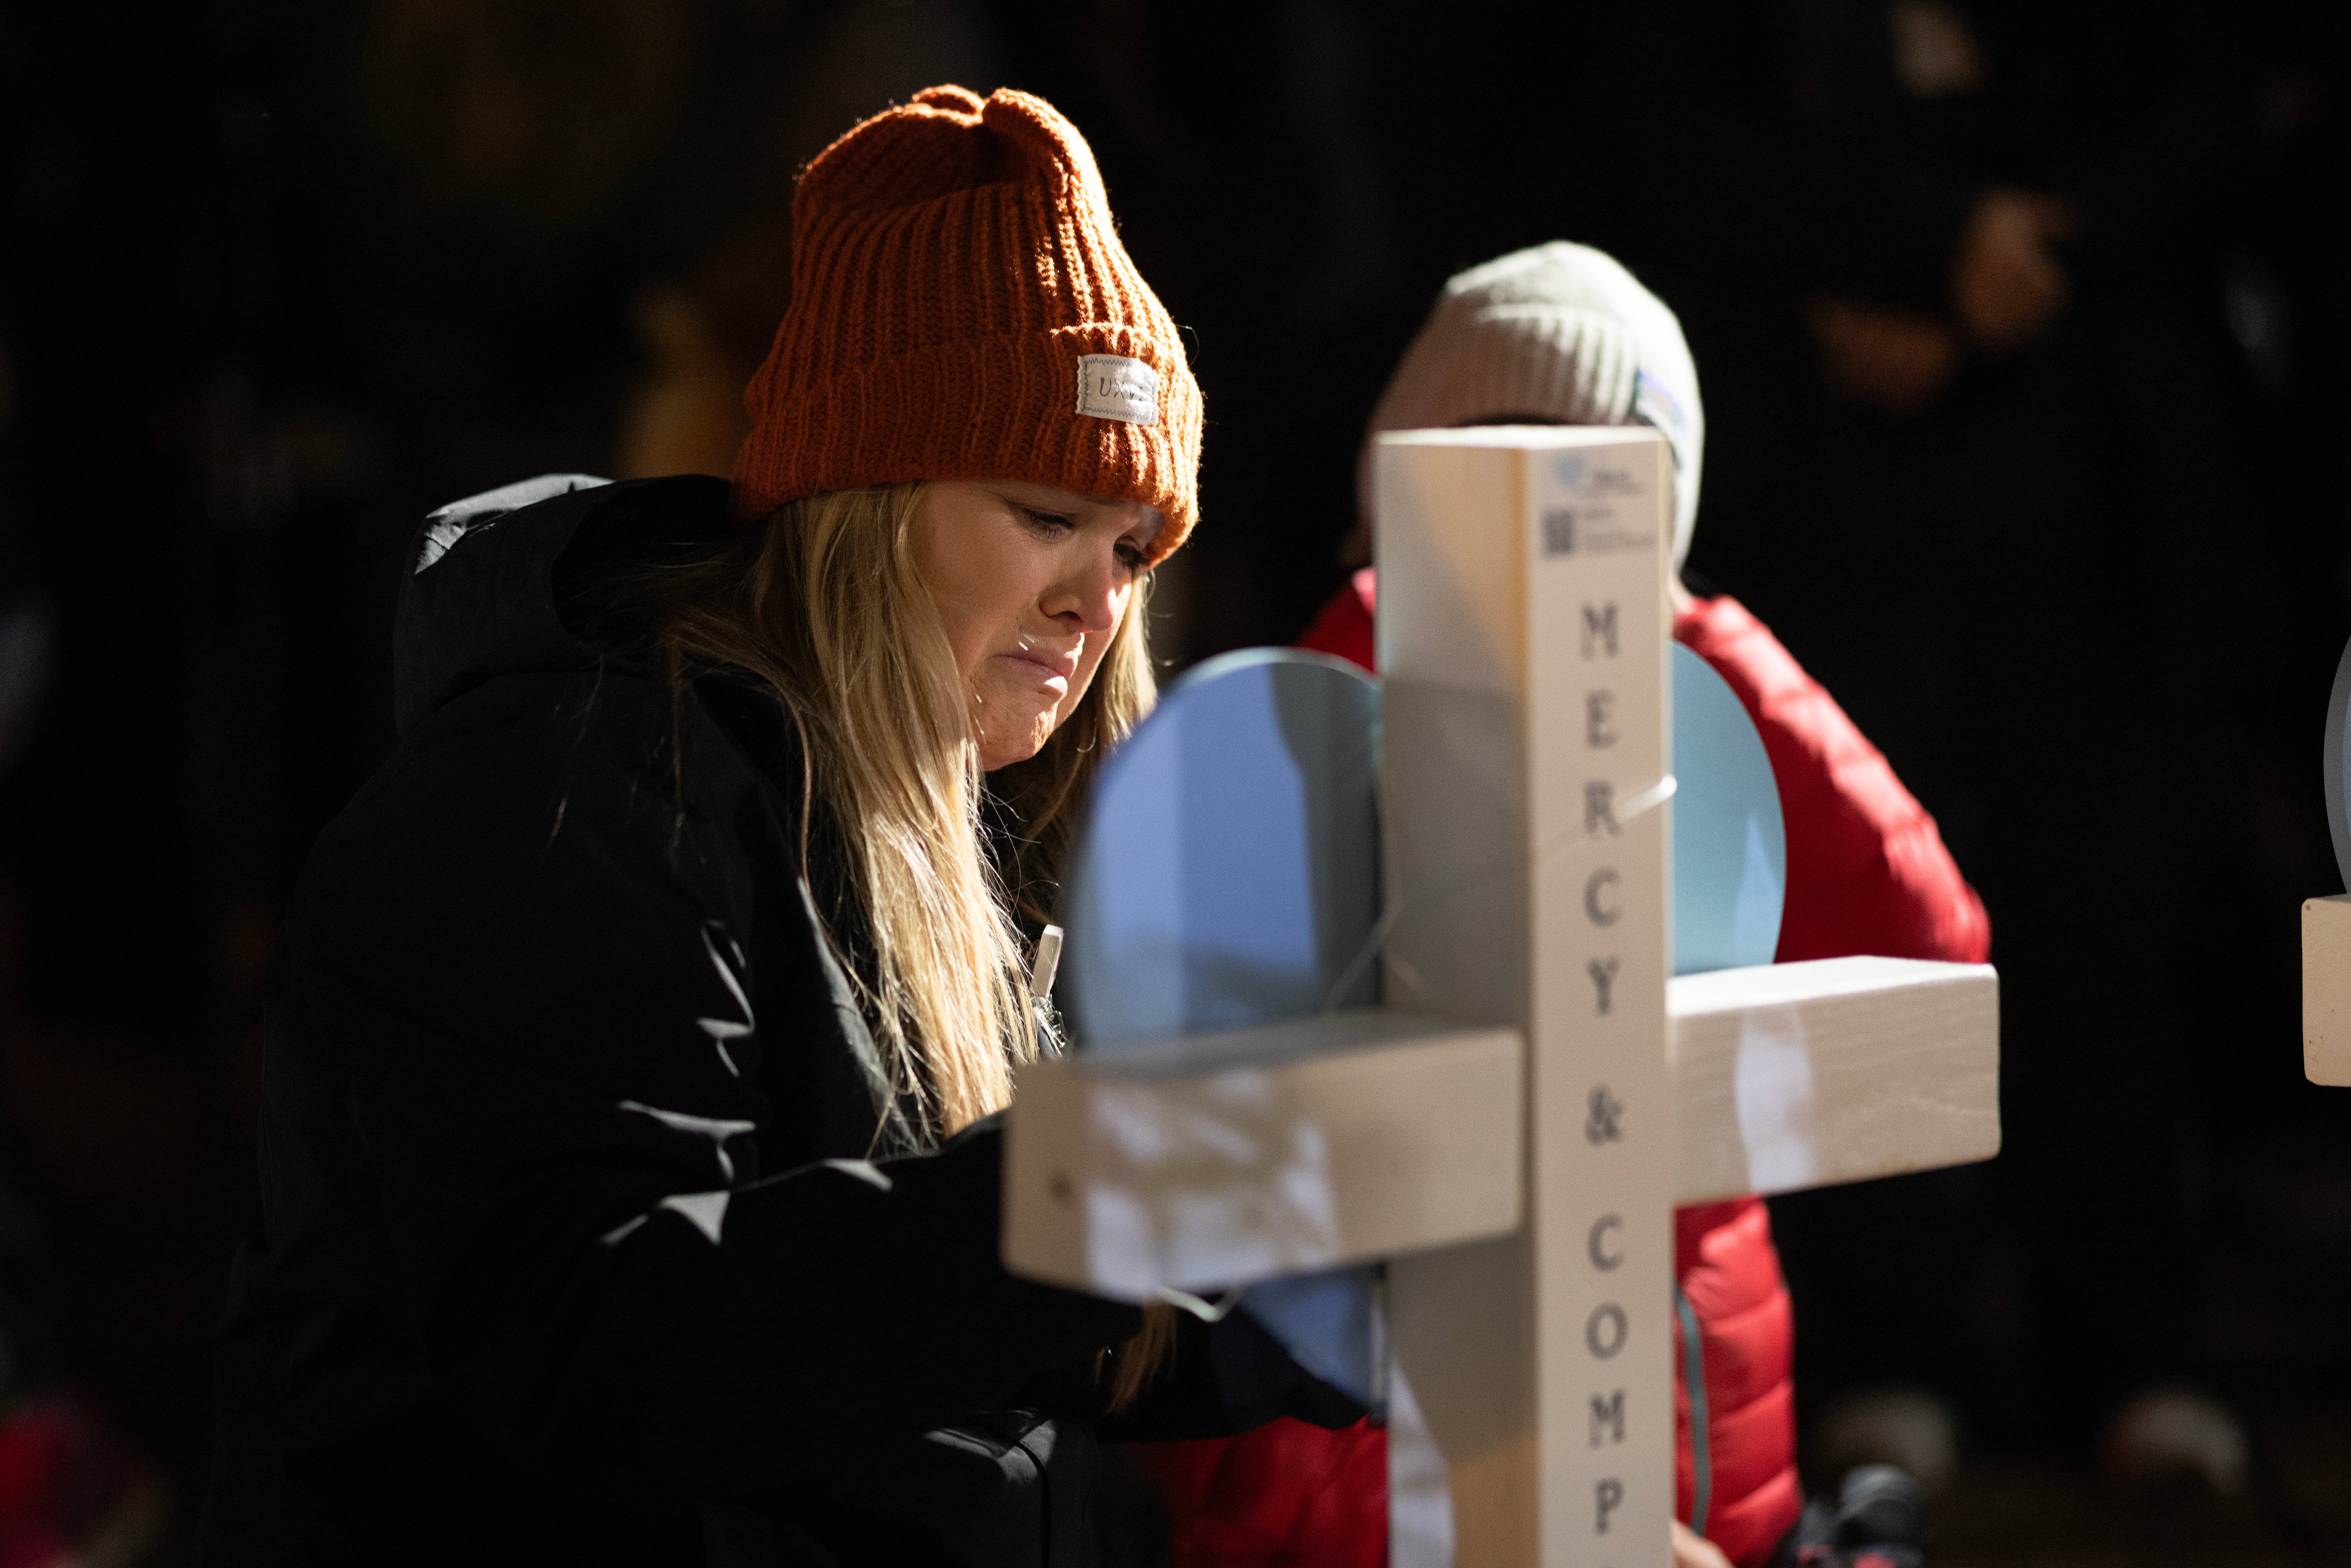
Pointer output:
1031, 583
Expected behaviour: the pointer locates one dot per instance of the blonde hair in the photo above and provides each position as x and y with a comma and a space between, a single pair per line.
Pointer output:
822, 601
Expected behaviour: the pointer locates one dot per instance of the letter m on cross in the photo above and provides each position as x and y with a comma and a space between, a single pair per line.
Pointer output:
1600, 629
1608, 1418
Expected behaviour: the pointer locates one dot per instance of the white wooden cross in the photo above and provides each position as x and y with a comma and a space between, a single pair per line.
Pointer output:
2326, 922
2327, 990
1513, 1128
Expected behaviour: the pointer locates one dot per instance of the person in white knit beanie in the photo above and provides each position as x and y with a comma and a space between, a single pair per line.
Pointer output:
1559, 334
1562, 334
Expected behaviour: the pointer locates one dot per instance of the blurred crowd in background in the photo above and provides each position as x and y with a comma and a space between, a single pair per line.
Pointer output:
2023, 328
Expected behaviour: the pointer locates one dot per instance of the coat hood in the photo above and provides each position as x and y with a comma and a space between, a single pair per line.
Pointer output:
480, 599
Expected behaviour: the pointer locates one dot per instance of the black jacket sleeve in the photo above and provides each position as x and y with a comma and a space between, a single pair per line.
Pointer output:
1226, 1377
529, 974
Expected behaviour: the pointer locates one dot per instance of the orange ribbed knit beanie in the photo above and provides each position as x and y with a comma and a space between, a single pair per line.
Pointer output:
962, 309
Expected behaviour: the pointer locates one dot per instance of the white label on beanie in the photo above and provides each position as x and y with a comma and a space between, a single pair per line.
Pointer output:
1110, 386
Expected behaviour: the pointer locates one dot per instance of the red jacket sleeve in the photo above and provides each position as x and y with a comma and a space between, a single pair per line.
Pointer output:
1727, 1269
1868, 871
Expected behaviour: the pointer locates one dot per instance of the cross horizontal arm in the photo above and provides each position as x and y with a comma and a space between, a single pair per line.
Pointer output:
1216, 1161
1789, 1076
2327, 989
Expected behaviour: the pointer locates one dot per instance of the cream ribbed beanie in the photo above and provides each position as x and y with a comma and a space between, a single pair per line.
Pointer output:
1559, 334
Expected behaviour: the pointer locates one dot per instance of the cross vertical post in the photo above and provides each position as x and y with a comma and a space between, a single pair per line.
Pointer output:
1522, 636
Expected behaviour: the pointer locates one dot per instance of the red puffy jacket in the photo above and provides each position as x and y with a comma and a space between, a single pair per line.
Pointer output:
1867, 873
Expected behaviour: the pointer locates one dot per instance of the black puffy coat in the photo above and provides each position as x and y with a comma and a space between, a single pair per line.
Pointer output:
570, 1254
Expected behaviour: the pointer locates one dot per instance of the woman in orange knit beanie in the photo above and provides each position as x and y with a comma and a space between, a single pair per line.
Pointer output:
630, 1168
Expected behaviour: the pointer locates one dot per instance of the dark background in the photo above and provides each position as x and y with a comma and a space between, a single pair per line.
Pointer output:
275, 280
